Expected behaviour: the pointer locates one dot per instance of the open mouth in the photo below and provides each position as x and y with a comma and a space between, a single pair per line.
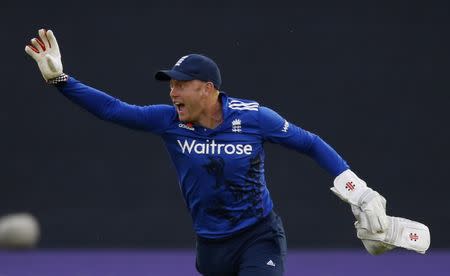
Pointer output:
180, 107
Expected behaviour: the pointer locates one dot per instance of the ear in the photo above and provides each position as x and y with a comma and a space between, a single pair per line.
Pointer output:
210, 87
205, 90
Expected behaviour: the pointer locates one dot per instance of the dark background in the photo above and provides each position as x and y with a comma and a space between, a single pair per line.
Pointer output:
370, 77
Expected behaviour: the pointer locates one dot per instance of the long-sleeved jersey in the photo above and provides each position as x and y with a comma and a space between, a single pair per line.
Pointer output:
220, 170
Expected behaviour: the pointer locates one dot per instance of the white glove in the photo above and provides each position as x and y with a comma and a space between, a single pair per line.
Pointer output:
353, 190
45, 51
400, 232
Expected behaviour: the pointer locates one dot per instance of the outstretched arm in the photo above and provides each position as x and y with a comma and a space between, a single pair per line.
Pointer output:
347, 185
278, 130
45, 51
154, 118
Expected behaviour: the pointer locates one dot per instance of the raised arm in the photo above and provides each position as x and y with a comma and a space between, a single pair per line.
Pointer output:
45, 51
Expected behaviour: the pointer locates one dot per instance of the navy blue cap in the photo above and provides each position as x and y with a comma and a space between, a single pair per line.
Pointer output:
192, 67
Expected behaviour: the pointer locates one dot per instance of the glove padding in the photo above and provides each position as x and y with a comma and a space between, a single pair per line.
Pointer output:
353, 190
400, 232
45, 51
377, 247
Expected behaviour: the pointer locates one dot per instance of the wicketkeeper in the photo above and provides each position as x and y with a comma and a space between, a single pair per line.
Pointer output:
216, 144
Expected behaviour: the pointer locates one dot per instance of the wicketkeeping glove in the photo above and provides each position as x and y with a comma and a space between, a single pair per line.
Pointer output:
45, 51
400, 232
354, 190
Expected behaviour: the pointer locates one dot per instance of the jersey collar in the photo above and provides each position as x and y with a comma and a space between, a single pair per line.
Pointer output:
224, 100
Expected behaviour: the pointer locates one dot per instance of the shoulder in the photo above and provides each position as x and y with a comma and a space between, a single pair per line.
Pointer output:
160, 117
234, 104
250, 108
167, 111
253, 114
244, 110
163, 108
242, 104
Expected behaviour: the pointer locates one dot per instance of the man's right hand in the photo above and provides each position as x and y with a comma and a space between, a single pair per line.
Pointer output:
45, 51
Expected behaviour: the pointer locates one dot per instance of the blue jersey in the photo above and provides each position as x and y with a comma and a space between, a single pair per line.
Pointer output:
221, 170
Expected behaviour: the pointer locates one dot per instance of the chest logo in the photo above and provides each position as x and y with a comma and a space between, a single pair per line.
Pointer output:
236, 125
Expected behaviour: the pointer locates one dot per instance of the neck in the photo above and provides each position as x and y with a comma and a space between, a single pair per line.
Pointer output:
212, 114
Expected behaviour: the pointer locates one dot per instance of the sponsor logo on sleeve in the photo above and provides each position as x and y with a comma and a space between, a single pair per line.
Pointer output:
286, 126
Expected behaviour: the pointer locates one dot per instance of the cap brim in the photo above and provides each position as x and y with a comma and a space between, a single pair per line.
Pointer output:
166, 75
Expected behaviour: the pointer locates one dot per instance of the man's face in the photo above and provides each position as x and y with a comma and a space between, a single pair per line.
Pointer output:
188, 98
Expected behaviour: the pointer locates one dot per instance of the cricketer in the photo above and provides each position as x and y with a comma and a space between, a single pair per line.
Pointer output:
216, 143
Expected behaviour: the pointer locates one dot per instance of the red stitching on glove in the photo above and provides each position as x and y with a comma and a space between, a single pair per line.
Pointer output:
41, 43
33, 48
